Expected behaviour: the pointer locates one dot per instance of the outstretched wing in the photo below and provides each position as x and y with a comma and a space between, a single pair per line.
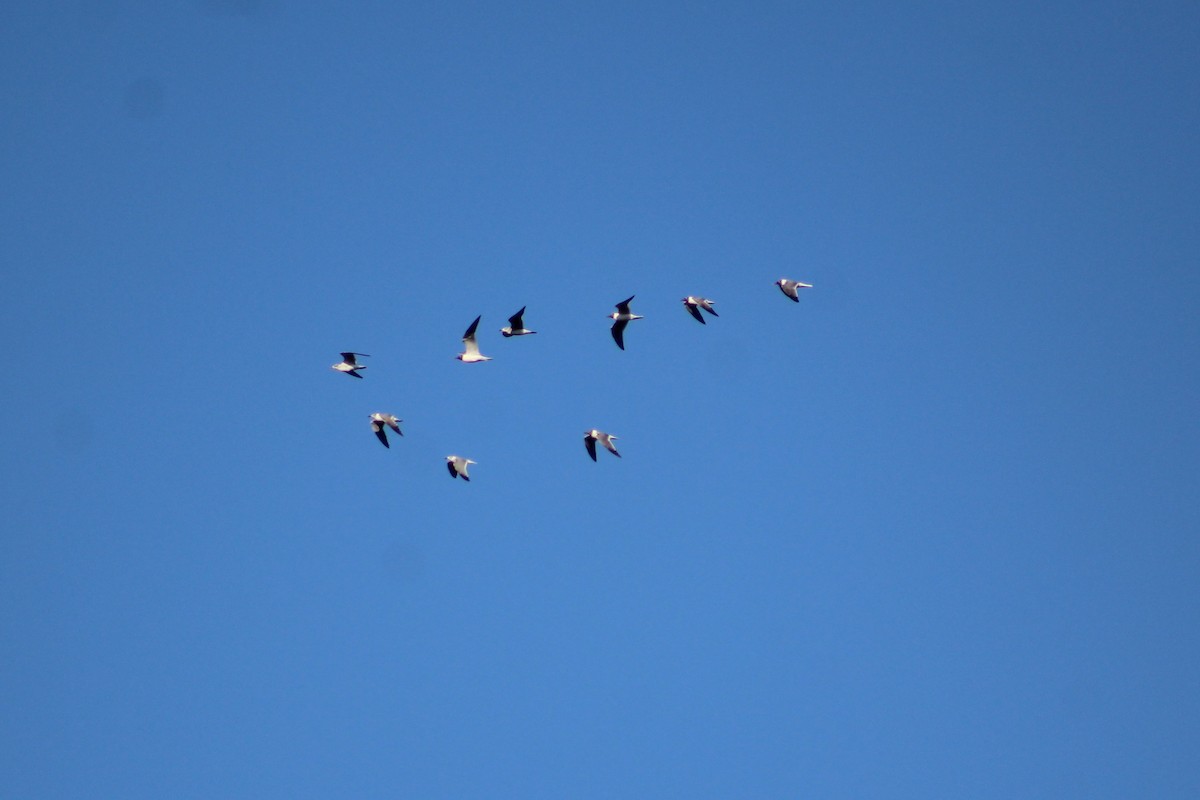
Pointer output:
450, 467
618, 332
515, 320
380, 434
591, 446
470, 346
608, 445
708, 307
349, 357
623, 306
695, 312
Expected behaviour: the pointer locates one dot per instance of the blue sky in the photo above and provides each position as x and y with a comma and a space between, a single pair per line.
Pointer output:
929, 533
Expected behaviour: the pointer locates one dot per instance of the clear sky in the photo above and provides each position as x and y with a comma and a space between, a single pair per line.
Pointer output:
929, 533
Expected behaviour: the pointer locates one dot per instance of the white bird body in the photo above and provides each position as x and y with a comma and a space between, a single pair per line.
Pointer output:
622, 317
516, 325
694, 304
457, 465
349, 364
605, 439
470, 353
792, 288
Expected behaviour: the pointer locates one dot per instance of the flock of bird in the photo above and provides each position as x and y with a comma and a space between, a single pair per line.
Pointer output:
457, 465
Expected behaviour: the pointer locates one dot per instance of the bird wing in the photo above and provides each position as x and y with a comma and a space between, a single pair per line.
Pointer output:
623, 306
695, 312
380, 434
515, 320
355, 374
609, 446
453, 471
707, 306
394, 424
472, 347
590, 442
349, 357
618, 332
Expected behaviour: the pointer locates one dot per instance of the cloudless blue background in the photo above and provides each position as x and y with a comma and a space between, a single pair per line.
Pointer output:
930, 533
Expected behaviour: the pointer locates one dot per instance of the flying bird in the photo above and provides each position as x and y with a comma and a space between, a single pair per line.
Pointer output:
791, 288
516, 326
349, 365
378, 421
694, 304
458, 467
623, 316
470, 353
606, 439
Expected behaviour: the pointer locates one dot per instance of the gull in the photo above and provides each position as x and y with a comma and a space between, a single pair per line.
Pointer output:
516, 327
694, 304
378, 421
606, 439
470, 353
622, 316
791, 288
458, 467
348, 365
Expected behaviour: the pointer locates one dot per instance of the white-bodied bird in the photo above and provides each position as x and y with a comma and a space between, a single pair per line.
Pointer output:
349, 365
694, 304
470, 353
378, 421
458, 467
606, 439
516, 326
792, 288
623, 316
